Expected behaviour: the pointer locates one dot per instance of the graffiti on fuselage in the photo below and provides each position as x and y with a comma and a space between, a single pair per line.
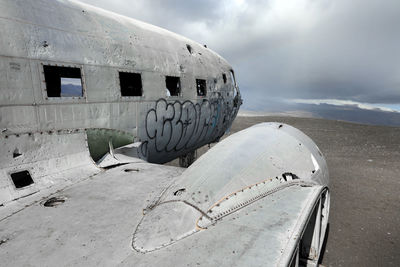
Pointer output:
182, 126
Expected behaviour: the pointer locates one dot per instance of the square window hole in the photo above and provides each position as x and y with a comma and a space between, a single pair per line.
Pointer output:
131, 84
21, 179
63, 81
201, 87
173, 85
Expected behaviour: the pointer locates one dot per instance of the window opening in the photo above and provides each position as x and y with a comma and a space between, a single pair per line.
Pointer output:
224, 77
173, 85
21, 179
63, 81
232, 77
189, 48
131, 84
201, 87
233, 80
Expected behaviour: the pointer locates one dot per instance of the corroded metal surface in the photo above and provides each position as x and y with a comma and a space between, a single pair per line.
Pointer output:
43, 33
102, 44
206, 193
140, 213
156, 209
95, 224
52, 159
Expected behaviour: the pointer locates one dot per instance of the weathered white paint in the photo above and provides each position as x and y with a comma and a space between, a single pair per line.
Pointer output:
54, 160
245, 202
101, 44
69, 33
96, 224
262, 160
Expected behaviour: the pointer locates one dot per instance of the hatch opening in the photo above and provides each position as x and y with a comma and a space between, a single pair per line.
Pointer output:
21, 179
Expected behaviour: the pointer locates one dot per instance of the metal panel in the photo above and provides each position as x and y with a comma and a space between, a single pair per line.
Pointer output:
102, 83
18, 119
16, 81
73, 116
52, 158
123, 116
96, 223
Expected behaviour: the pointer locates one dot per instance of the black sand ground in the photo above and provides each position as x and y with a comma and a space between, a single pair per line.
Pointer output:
364, 166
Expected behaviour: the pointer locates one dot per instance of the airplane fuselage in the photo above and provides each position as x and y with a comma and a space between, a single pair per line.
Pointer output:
68, 66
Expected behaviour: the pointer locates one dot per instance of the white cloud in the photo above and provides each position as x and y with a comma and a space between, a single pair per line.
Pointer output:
337, 102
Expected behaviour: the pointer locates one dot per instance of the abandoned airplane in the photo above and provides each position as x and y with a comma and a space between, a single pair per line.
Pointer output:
91, 103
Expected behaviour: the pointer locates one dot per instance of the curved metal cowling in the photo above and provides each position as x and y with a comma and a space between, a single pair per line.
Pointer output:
242, 169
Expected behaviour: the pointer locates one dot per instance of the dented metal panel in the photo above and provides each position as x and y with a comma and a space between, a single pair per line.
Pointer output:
159, 211
95, 225
263, 159
101, 44
249, 197
53, 159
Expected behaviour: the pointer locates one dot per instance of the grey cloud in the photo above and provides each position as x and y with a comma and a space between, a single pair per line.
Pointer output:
169, 14
291, 49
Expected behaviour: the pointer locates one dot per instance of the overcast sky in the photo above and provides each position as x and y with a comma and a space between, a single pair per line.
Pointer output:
291, 49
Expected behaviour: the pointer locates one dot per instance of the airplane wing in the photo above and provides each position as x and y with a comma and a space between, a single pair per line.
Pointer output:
239, 204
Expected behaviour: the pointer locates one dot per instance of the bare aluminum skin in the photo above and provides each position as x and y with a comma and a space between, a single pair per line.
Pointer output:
247, 201
101, 44
132, 214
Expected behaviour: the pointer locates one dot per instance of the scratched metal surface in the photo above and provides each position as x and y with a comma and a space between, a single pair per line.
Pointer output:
102, 43
102, 212
96, 224
54, 160
139, 202
207, 191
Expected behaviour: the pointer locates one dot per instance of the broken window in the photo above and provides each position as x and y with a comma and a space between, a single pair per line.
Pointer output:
21, 179
224, 77
63, 81
131, 84
201, 87
173, 85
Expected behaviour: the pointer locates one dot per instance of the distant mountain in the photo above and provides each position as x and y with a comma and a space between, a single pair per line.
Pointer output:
353, 114
349, 113
70, 90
